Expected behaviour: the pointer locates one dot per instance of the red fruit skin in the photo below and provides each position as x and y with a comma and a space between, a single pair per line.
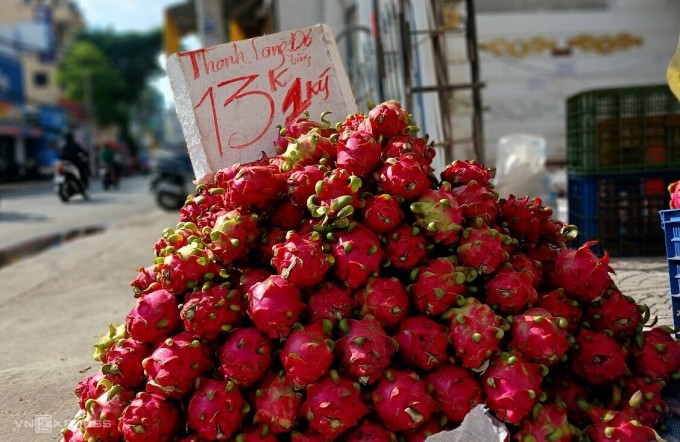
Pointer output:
408, 144
301, 182
382, 213
148, 417
209, 313
406, 247
277, 403
358, 255
72, 436
611, 425
599, 359
358, 153
436, 424
90, 388
261, 434
329, 301
174, 366
566, 388
522, 263
462, 172
145, 281
102, 414
659, 356
475, 331
539, 336
615, 312
549, 422
510, 292
481, 248
511, 387
558, 303
307, 354
247, 277
153, 317
369, 431
439, 284
388, 119
301, 260
455, 390
583, 275
438, 214
288, 216
333, 406
245, 356
402, 402
274, 305
423, 342
233, 235
405, 177
216, 409
674, 190
254, 187
336, 183
477, 201
187, 267
123, 362
647, 401
384, 298
523, 217
365, 349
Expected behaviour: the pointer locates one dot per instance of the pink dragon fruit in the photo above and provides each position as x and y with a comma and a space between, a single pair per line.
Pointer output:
174, 365
384, 298
358, 255
91, 388
101, 414
438, 213
288, 216
522, 263
422, 341
382, 213
172, 240
245, 278
254, 187
439, 284
463, 171
406, 247
145, 281
547, 422
369, 430
301, 259
401, 400
200, 206
658, 355
333, 405
308, 353
510, 292
566, 389
302, 181
404, 177
481, 247
274, 305
336, 196
436, 424
190, 266
674, 190
153, 317
114, 335
558, 303
523, 217
71, 435
609, 425
216, 409
616, 312
233, 235
276, 403
358, 153
148, 417
599, 358
389, 119
365, 349
475, 331
257, 434
299, 126
306, 149
645, 399
455, 390
539, 336
583, 275
123, 362
211, 312
329, 301
512, 386
245, 356
408, 144
477, 201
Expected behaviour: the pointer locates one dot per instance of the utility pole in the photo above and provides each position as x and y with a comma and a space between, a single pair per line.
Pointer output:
88, 108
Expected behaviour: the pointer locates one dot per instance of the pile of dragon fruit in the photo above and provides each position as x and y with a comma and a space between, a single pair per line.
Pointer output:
340, 290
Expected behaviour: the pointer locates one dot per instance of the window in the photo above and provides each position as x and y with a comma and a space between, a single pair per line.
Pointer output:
40, 79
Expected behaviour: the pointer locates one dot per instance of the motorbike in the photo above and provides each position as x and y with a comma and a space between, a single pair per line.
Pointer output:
109, 176
172, 179
67, 181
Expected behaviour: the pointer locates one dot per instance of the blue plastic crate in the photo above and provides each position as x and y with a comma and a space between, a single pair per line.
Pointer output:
670, 222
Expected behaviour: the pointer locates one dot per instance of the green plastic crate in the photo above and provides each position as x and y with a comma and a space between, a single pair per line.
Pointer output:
634, 129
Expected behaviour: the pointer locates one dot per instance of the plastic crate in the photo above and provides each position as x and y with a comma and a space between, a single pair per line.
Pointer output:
620, 211
623, 130
670, 223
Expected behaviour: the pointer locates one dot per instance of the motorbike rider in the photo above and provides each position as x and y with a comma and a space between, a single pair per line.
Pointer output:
74, 152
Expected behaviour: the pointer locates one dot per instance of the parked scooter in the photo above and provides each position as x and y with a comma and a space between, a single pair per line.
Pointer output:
172, 179
67, 181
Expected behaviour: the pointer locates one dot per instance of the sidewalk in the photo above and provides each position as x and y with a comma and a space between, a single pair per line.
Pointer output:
56, 303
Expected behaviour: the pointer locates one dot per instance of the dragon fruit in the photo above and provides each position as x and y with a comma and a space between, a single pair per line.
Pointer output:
539, 336
477, 201
145, 281
358, 153
216, 409
475, 331
302, 181
547, 422
404, 177
288, 217
423, 342
645, 399
382, 213
211, 312
455, 390
299, 126
154, 316
301, 259
433, 426
523, 217
512, 386
233, 235
245, 356
254, 187
406, 247
658, 355
257, 434
558, 303
385, 299
522, 263
365, 349
276, 403
481, 247
408, 144
174, 365
599, 358
582, 274
401, 400
511, 292
308, 148
369, 430
608, 425
329, 301
123, 362
102, 414
463, 171
190, 266
274, 305
389, 119
148, 417
439, 284
333, 405
358, 255
308, 353
438, 213
674, 190
615, 312
91, 387
336, 196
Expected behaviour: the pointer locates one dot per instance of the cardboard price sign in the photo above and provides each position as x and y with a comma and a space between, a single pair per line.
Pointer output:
230, 98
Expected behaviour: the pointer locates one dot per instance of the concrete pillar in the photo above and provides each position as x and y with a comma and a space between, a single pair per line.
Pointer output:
209, 22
